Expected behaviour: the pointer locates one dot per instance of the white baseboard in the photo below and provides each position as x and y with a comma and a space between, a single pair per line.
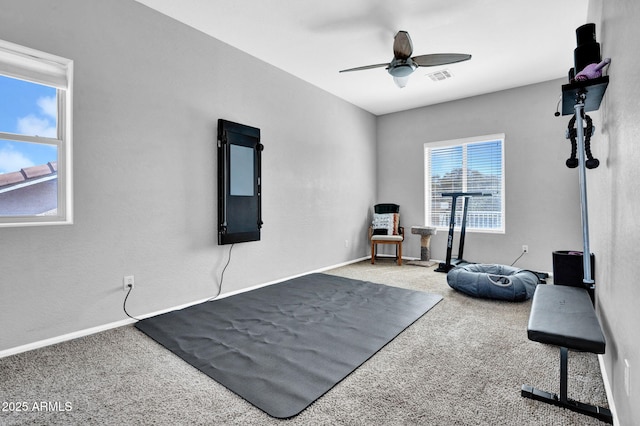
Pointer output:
231, 293
98, 329
63, 338
607, 389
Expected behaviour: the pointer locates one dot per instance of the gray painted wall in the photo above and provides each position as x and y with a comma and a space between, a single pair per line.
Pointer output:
542, 196
148, 94
614, 203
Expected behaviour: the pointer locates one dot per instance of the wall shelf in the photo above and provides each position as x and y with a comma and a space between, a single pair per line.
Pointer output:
594, 89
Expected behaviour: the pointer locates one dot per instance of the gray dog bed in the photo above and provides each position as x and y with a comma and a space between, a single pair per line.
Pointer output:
493, 282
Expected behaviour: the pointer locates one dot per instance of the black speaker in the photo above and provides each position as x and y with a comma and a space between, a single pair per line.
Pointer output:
568, 269
588, 50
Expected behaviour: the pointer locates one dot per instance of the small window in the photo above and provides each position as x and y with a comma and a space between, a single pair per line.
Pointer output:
466, 165
35, 137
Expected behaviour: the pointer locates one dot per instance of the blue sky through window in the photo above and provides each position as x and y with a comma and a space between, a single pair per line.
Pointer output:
26, 109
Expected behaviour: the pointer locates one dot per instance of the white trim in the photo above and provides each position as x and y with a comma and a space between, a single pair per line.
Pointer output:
25, 63
30, 138
67, 126
62, 338
231, 293
608, 390
104, 327
36, 220
460, 141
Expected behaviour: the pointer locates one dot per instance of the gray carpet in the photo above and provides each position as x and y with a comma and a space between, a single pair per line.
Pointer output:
283, 346
461, 364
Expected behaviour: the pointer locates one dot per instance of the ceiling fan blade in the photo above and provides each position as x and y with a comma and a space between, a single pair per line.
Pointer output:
402, 46
366, 67
440, 59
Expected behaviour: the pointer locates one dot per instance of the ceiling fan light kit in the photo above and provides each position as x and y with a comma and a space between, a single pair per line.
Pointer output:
401, 81
403, 65
401, 69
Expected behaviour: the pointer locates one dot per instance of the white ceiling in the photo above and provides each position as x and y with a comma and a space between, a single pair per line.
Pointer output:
513, 42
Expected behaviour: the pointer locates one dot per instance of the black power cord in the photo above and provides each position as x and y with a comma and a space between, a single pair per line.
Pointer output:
541, 276
124, 304
222, 275
521, 254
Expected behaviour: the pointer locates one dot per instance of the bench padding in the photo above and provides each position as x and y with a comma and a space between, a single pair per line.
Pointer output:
564, 316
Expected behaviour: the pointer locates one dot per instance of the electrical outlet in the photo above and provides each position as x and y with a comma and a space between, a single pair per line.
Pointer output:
525, 249
626, 377
346, 243
127, 282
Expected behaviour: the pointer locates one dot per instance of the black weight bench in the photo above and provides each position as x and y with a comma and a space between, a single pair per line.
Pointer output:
564, 316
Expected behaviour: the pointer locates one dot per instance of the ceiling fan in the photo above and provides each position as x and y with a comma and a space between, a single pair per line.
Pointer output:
403, 65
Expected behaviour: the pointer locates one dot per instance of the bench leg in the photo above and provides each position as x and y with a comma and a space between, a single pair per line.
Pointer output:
601, 413
564, 374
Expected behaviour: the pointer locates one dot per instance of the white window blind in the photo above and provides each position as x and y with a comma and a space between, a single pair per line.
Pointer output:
468, 165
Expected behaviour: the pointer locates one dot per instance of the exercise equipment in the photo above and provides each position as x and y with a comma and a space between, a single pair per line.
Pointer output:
588, 131
564, 316
499, 282
282, 346
449, 262
575, 99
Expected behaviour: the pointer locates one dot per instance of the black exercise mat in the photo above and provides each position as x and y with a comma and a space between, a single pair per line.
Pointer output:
283, 346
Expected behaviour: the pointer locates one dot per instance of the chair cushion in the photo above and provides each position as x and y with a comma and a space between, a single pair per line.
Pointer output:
386, 238
385, 222
386, 208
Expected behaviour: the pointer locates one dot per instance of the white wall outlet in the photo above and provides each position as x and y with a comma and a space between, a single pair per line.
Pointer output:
346, 243
626, 377
525, 249
127, 282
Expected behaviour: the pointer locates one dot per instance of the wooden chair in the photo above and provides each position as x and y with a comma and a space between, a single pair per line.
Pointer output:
386, 229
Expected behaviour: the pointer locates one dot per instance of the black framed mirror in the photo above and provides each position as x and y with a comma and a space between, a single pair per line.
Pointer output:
239, 183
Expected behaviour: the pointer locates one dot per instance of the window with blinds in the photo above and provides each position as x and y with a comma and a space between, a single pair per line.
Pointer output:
35, 137
466, 165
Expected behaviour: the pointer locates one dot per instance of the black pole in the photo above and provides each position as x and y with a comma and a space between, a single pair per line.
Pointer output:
463, 228
452, 225
446, 266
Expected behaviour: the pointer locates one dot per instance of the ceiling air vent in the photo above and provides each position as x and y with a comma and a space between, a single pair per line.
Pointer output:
440, 75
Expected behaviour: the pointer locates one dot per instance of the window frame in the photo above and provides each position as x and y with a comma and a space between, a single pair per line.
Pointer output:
23, 63
427, 179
